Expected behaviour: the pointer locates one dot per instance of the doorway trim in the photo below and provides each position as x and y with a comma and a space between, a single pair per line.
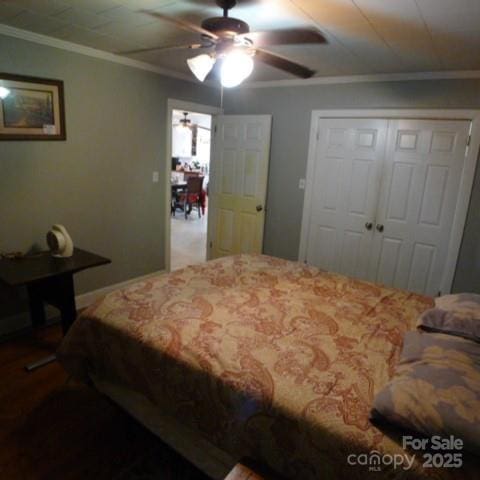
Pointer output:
466, 181
174, 104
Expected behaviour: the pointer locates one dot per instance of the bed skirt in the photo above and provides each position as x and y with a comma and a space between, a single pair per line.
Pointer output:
204, 455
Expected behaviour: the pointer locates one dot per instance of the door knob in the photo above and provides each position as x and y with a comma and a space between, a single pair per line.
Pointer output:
259, 208
369, 225
379, 227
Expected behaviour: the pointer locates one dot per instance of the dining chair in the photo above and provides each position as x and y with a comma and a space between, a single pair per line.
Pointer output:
192, 196
188, 174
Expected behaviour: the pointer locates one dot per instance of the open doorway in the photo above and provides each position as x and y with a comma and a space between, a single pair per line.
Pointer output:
189, 178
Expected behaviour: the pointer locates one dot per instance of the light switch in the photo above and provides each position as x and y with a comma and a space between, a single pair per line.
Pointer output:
155, 177
301, 184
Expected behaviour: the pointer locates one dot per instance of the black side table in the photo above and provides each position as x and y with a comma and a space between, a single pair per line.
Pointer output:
49, 280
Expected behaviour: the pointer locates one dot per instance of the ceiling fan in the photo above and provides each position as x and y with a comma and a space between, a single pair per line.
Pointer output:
229, 41
186, 122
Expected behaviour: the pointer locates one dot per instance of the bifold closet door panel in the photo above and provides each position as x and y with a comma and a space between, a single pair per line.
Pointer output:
349, 156
419, 191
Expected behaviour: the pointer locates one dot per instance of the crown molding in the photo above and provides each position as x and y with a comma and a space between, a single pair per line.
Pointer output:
111, 57
380, 77
92, 52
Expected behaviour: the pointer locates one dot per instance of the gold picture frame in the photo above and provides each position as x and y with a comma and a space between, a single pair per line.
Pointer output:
31, 108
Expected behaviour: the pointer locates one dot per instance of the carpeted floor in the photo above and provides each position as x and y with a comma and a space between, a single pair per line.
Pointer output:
53, 430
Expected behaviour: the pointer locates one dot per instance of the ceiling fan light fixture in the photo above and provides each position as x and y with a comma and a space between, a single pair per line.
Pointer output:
4, 92
201, 65
237, 66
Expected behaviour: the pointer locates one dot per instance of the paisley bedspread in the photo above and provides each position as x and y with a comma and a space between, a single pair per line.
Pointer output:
264, 357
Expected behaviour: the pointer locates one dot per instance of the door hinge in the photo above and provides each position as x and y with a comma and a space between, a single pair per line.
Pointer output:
210, 244
469, 138
318, 136
215, 129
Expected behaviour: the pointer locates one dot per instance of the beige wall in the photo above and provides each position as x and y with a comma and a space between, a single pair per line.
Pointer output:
291, 109
98, 182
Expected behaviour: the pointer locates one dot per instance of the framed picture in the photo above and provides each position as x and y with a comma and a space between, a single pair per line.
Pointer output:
31, 108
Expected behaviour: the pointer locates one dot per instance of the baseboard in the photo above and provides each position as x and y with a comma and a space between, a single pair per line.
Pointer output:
18, 331
20, 322
14, 324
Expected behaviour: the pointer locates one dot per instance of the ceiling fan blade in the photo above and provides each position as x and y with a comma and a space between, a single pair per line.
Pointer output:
194, 46
290, 36
183, 24
283, 63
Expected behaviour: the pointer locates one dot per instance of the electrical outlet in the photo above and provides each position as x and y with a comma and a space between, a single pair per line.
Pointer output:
301, 184
155, 177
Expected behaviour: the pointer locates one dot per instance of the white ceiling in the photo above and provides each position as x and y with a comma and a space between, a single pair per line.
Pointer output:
365, 36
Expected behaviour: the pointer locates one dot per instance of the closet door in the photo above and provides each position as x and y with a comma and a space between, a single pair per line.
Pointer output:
343, 194
420, 184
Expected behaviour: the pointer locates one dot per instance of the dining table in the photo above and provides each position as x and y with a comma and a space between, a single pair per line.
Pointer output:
178, 187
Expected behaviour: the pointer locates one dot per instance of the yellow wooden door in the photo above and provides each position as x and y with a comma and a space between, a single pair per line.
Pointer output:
238, 186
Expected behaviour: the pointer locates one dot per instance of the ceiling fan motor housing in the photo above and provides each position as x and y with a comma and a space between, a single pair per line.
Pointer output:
225, 26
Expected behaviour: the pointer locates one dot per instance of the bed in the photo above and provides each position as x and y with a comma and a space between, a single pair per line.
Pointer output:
252, 356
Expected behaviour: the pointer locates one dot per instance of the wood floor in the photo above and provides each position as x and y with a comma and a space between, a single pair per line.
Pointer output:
50, 429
